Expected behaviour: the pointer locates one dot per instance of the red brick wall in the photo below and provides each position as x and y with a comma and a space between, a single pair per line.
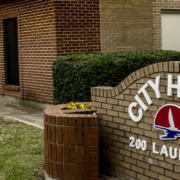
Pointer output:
36, 46
78, 26
71, 140
47, 29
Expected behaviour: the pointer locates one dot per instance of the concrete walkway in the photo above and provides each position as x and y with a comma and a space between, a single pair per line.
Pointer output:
23, 114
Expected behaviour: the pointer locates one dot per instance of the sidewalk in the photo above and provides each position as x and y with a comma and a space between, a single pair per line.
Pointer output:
23, 114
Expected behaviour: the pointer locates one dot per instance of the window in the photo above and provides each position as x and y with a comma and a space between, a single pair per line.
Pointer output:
11, 51
170, 21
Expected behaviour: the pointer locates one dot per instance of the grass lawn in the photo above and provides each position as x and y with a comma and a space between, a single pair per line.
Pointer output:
21, 151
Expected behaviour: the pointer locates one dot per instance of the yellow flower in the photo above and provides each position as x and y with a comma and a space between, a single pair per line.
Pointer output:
81, 106
78, 105
89, 104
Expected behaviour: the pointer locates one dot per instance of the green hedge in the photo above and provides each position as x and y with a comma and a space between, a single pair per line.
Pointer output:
74, 75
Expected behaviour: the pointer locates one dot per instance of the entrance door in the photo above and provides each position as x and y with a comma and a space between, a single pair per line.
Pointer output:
11, 51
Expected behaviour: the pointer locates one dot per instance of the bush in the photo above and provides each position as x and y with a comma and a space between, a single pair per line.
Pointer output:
74, 75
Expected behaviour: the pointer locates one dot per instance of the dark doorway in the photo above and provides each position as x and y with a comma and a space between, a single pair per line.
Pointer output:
11, 51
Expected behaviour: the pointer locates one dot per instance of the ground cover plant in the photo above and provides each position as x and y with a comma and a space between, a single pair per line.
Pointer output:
74, 75
21, 151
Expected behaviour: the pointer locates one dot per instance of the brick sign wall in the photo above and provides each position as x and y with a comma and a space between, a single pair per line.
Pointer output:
131, 147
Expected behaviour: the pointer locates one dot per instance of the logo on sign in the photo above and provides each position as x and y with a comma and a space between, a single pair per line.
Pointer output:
167, 119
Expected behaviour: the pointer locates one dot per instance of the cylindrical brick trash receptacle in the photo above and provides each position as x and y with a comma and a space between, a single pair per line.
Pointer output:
71, 144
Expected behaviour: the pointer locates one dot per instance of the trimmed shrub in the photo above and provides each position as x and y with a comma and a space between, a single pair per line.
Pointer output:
74, 75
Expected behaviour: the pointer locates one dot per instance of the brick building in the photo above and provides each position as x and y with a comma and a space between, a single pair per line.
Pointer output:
45, 29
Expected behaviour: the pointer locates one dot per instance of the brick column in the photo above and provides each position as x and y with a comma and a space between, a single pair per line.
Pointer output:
71, 143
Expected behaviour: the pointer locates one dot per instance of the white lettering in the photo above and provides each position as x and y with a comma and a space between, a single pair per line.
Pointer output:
132, 139
143, 145
145, 93
154, 149
141, 103
133, 117
171, 154
173, 86
138, 143
155, 86
164, 151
